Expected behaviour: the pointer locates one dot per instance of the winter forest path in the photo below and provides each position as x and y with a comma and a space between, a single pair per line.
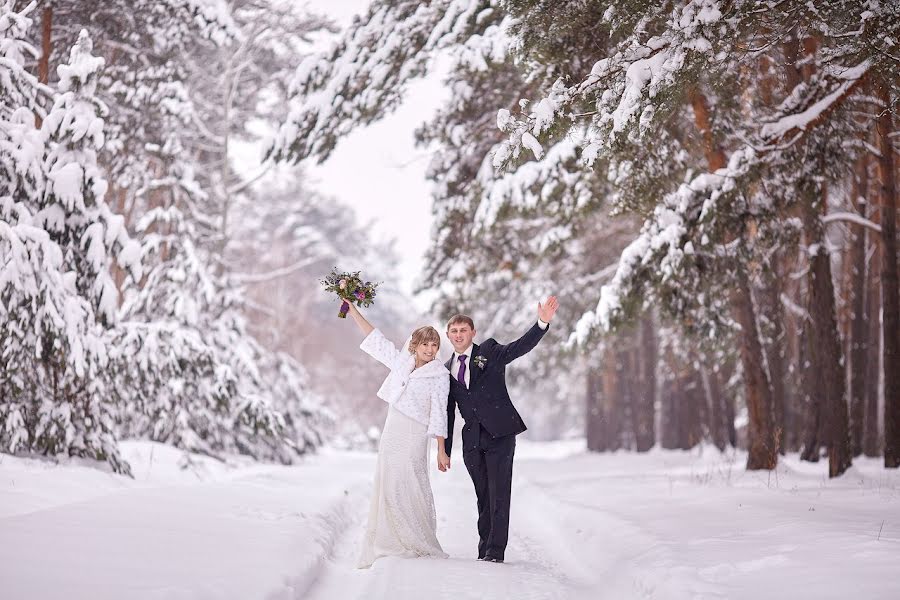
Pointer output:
664, 525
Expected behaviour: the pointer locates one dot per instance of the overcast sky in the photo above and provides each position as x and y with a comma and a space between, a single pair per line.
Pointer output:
378, 170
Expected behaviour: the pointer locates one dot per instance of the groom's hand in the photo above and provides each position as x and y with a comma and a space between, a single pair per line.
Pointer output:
548, 309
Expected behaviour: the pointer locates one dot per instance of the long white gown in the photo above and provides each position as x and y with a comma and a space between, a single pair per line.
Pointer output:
402, 519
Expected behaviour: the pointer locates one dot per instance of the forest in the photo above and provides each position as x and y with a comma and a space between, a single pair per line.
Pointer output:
710, 187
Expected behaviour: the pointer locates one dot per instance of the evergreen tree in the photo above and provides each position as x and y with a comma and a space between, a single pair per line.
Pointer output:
58, 244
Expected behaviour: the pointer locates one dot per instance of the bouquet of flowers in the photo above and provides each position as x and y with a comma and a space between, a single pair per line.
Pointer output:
351, 288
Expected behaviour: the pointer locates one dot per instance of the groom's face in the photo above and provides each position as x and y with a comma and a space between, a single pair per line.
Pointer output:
460, 335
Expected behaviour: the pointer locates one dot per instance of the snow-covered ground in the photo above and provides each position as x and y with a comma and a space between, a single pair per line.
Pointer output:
666, 525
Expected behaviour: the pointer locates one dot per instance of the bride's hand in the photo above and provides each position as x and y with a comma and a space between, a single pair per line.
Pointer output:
443, 461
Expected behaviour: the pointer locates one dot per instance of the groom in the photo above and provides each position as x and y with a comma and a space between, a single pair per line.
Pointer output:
478, 387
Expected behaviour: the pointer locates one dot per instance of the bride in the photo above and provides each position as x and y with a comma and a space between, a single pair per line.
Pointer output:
402, 519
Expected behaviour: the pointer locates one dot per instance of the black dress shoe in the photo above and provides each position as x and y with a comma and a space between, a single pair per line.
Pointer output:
492, 559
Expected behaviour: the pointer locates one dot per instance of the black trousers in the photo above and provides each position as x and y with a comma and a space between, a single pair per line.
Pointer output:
490, 463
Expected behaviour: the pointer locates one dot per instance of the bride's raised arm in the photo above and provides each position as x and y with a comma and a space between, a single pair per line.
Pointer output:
375, 344
361, 321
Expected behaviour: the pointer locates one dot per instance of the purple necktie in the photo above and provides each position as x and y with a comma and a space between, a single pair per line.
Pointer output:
461, 376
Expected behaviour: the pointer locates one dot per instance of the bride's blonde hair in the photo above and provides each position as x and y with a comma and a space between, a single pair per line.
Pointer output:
423, 335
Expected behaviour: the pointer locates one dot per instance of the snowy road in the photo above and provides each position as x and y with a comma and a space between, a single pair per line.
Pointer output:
667, 525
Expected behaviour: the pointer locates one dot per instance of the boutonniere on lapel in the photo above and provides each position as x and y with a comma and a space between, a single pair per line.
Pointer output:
480, 361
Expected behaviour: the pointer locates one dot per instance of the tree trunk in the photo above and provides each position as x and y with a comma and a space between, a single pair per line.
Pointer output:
728, 400
812, 397
46, 49
826, 343
715, 158
775, 354
615, 402
763, 453
890, 289
643, 408
796, 396
859, 339
696, 402
871, 433
761, 440
594, 418
715, 407
871, 437
669, 411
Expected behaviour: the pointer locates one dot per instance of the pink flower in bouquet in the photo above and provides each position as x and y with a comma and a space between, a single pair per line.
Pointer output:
360, 295
342, 284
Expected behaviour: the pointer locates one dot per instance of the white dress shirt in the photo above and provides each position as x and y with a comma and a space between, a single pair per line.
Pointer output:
454, 363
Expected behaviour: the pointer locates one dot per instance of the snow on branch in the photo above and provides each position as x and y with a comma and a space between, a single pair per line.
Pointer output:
274, 274
791, 124
363, 76
852, 218
659, 254
527, 186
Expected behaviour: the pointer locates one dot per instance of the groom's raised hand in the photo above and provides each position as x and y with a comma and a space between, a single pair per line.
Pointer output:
548, 309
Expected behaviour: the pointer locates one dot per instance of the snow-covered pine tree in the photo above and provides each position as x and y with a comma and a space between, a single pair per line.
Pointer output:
58, 244
187, 362
73, 209
144, 83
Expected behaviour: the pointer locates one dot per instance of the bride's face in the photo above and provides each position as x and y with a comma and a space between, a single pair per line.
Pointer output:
426, 351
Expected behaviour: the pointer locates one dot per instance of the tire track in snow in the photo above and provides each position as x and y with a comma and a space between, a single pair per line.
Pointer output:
616, 558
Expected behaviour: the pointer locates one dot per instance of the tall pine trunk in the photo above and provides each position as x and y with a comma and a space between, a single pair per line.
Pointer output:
761, 436
871, 437
770, 294
826, 343
670, 401
813, 396
594, 422
763, 452
619, 399
643, 407
871, 431
890, 294
46, 49
859, 335
715, 407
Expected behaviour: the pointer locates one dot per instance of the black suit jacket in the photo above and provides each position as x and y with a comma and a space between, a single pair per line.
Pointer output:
486, 401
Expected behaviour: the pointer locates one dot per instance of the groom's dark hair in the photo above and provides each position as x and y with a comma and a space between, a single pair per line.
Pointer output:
461, 319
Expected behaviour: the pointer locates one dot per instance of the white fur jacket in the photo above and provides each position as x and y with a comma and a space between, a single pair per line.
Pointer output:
420, 394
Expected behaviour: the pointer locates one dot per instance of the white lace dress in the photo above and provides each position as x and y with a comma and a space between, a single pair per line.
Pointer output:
402, 520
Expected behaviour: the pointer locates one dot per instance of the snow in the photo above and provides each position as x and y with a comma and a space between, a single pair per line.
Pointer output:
802, 120
67, 184
852, 218
666, 524
503, 119
530, 142
81, 66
